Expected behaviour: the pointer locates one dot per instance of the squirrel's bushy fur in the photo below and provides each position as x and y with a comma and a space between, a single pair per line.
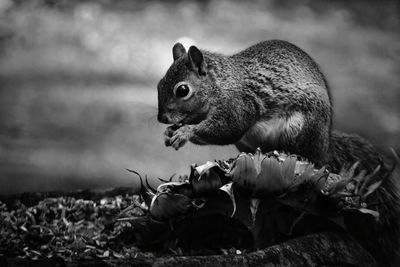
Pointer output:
273, 96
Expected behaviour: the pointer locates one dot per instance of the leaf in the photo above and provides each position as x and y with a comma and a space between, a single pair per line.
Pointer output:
227, 188
146, 194
208, 182
149, 186
349, 173
272, 169
372, 188
254, 202
244, 174
306, 174
372, 212
218, 203
288, 168
166, 206
270, 181
366, 179
295, 222
303, 167
339, 186
205, 167
319, 179
169, 179
162, 180
358, 179
243, 212
257, 159
183, 188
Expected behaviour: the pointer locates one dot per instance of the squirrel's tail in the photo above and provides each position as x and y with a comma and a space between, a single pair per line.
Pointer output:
381, 238
395, 179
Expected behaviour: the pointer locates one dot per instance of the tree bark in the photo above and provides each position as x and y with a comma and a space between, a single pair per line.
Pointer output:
322, 249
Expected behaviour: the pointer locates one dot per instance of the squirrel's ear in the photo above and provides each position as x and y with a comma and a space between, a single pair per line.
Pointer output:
196, 60
178, 50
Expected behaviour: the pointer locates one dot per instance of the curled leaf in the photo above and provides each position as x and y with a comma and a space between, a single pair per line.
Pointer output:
227, 188
207, 183
166, 206
145, 193
183, 188
205, 167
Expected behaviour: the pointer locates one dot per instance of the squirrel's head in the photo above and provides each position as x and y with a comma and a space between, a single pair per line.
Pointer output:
183, 91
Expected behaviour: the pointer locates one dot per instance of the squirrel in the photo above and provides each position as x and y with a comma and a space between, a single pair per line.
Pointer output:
273, 95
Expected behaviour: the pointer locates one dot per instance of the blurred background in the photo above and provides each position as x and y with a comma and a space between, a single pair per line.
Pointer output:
78, 98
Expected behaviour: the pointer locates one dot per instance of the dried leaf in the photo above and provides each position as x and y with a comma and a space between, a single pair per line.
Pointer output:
227, 188
271, 180
372, 188
166, 206
288, 168
367, 179
372, 212
254, 202
244, 173
146, 194
207, 183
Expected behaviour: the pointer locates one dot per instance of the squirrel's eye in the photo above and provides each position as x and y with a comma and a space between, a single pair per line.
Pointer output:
182, 90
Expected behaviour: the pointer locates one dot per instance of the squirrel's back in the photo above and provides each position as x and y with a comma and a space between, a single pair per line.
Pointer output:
295, 95
285, 56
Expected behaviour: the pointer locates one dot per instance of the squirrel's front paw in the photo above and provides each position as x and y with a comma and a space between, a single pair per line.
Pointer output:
177, 138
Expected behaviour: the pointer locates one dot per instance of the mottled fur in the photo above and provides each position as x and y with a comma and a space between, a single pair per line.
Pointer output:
274, 96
